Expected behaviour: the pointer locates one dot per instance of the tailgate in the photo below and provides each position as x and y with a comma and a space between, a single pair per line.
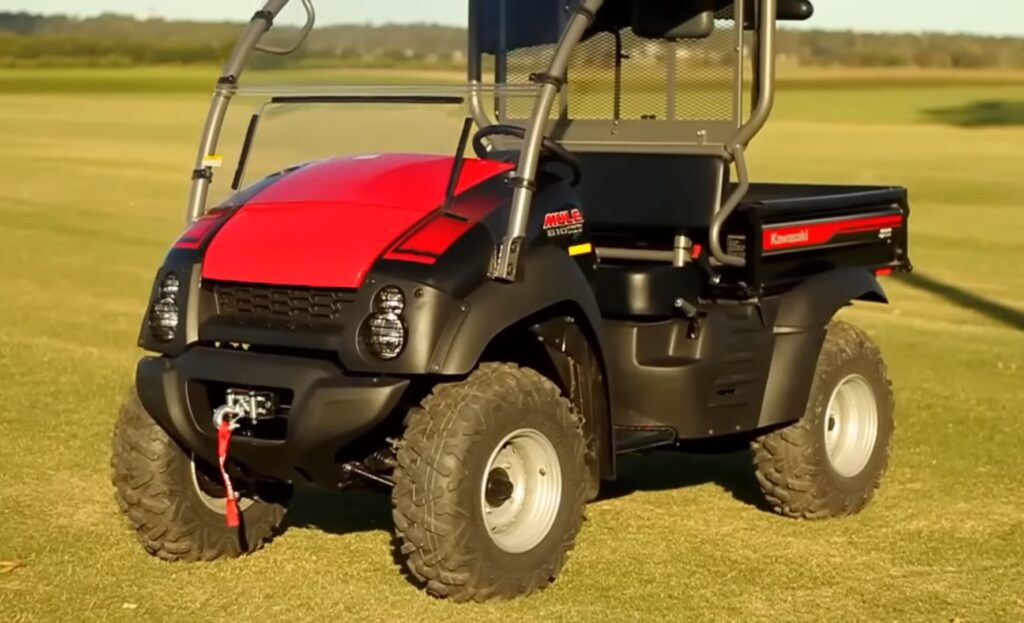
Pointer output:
789, 233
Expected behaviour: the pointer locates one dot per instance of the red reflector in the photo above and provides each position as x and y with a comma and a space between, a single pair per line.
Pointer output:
883, 272
696, 252
200, 231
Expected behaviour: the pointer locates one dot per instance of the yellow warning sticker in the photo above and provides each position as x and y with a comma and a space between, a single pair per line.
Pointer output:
214, 162
581, 249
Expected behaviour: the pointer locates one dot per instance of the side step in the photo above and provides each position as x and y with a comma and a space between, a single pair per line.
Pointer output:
628, 439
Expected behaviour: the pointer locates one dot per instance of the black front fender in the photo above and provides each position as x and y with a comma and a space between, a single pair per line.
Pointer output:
548, 279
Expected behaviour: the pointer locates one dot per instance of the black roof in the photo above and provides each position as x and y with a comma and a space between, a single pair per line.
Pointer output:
529, 23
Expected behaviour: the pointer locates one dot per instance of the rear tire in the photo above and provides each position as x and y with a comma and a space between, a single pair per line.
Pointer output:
490, 485
172, 501
830, 462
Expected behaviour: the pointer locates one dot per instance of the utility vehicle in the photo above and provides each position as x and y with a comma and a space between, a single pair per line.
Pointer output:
486, 335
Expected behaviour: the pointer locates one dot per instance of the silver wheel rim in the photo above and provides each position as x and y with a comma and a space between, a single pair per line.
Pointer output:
521, 490
851, 426
212, 502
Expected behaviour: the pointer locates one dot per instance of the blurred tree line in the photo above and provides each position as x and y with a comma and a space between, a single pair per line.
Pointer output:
113, 40
901, 50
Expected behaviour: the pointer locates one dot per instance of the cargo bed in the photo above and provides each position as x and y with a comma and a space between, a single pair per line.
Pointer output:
789, 232
786, 232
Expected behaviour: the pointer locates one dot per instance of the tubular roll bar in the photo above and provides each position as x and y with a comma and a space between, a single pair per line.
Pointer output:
767, 20
506, 260
249, 42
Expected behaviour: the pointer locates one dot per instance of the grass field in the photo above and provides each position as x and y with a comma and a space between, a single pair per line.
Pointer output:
93, 191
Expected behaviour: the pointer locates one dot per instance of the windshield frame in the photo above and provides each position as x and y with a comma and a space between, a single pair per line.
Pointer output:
385, 95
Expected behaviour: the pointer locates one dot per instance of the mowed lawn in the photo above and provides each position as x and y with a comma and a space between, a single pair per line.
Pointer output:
93, 189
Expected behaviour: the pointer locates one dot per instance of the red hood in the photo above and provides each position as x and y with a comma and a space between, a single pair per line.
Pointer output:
326, 224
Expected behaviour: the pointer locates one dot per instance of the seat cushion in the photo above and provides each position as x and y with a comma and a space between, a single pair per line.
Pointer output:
650, 191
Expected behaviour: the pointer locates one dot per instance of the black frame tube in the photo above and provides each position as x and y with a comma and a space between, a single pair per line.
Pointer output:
619, 57
767, 20
506, 261
243, 158
247, 44
457, 165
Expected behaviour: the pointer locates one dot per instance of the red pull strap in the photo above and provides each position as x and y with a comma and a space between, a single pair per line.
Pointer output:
231, 501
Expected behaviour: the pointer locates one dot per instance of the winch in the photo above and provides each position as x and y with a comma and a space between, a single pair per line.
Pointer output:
245, 406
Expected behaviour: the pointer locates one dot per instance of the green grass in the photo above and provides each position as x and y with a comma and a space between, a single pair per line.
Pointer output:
93, 191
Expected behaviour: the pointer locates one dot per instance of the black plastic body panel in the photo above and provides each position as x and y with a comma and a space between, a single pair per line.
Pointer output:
270, 333
793, 366
638, 289
453, 310
815, 301
330, 409
801, 322
701, 382
549, 280
740, 368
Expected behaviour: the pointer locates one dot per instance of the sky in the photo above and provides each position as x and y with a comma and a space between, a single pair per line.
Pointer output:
992, 17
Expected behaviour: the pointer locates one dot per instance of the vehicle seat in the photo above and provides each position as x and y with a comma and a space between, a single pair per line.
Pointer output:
641, 202
637, 194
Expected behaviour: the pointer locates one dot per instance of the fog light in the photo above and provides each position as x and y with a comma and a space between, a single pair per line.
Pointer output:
165, 315
170, 287
390, 300
383, 332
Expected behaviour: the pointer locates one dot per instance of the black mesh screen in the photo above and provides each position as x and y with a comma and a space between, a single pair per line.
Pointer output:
693, 79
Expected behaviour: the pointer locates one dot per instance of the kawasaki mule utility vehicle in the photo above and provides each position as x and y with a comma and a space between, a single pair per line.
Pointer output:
485, 336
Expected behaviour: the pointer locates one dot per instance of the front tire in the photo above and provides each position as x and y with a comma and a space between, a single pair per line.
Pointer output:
830, 462
174, 503
490, 485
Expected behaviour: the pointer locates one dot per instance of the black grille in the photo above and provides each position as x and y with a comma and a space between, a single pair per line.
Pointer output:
303, 304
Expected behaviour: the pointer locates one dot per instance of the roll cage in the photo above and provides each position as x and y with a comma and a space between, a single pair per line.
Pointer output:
507, 33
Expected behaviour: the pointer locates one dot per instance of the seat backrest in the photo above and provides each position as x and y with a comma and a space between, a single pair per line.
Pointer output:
633, 192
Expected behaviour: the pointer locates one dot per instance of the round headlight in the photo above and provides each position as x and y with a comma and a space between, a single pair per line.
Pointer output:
163, 319
170, 287
390, 300
383, 332
165, 315
384, 335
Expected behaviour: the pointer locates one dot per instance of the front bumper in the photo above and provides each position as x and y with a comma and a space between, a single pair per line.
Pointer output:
329, 409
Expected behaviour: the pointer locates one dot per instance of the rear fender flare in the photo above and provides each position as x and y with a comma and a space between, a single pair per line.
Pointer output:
800, 327
814, 302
